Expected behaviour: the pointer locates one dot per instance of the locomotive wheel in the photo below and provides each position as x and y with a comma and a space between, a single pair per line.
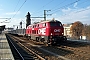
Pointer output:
46, 44
42, 40
37, 39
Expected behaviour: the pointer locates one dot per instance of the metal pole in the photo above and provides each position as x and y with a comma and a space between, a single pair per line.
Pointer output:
45, 15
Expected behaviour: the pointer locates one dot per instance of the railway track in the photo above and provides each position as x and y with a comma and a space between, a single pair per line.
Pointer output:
20, 54
39, 50
71, 50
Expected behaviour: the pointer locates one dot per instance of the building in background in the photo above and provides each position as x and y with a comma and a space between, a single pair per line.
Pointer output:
67, 30
8, 30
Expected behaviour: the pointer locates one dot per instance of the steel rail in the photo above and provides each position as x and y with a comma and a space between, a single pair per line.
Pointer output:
16, 49
41, 58
59, 56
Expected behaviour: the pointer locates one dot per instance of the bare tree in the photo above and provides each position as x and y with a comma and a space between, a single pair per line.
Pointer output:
86, 31
76, 29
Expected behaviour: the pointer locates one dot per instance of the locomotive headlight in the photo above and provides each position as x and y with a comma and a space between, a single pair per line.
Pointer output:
62, 33
51, 33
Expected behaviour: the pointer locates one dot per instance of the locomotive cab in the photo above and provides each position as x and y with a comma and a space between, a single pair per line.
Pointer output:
56, 32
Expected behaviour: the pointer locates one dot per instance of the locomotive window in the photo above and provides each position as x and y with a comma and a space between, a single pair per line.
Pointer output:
37, 31
28, 31
38, 25
44, 24
59, 24
55, 24
33, 26
52, 24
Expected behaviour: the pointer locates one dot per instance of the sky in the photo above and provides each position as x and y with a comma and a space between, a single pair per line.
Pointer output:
66, 11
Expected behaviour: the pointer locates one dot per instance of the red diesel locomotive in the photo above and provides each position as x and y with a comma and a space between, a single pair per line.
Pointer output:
50, 32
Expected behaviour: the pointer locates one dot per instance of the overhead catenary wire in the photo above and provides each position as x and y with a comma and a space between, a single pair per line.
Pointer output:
83, 2
14, 10
19, 9
56, 6
39, 10
16, 5
78, 11
58, 9
82, 10
75, 13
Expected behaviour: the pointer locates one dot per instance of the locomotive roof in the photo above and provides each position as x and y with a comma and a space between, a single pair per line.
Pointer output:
49, 21
45, 22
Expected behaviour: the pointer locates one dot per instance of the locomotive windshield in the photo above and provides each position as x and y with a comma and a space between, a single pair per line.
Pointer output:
52, 24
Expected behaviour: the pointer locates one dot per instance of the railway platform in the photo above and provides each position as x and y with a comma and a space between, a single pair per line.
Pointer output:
5, 51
